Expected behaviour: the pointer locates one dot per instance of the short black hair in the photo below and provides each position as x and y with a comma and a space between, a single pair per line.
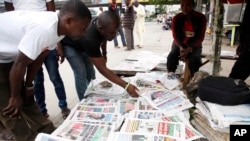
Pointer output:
76, 7
108, 17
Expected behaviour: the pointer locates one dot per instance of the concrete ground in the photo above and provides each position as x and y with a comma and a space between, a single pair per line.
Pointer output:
155, 40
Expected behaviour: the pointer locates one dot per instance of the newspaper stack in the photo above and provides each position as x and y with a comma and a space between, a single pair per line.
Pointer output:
222, 116
105, 88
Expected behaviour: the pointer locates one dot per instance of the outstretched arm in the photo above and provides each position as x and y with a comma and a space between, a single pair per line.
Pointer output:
101, 66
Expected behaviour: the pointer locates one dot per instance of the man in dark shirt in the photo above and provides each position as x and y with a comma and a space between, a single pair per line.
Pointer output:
188, 28
113, 8
101, 29
241, 69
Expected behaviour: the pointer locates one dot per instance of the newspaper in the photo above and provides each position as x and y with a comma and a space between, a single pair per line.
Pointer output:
79, 131
190, 132
48, 137
139, 66
161, 78
118, 136
167, 101
143, 104
103, 87
154, 127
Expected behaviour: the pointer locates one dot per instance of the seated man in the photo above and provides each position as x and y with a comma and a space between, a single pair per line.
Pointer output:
101, 29
188, 28
25, 40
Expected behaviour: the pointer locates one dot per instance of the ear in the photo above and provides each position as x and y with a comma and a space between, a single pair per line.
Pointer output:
69, 19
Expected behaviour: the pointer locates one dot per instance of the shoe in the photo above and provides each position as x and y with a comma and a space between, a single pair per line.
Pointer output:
127, 49
65, 112
117, 47
46, 115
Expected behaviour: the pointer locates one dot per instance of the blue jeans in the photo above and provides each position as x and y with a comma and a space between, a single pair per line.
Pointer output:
120, 31
51, 65
82, 67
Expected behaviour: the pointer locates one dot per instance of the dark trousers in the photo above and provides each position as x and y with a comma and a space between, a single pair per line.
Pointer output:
120, 31
51, 65
194, 59
241, 69
31, 122
129, 38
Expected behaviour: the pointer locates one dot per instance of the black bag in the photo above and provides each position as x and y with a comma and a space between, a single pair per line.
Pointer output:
223, 90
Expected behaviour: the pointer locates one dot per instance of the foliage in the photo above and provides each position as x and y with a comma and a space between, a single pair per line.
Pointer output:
161, 2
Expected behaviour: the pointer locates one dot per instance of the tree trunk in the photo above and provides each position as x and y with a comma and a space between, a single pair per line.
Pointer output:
217, 35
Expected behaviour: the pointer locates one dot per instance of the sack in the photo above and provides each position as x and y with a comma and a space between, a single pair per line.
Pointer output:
223, 90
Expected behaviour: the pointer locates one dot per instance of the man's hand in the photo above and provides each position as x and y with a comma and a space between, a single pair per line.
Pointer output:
59, 53
132, 90
14, 107
29, 97
184, 52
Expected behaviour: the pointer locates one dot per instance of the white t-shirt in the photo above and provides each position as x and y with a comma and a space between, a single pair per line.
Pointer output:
30, 32
38, 5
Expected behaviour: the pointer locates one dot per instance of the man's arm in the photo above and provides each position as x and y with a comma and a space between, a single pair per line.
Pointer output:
8, 6
101, 66
104, 50
177, 32
51, 6
16, 78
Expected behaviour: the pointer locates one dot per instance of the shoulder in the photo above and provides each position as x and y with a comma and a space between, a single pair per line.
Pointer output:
198, 14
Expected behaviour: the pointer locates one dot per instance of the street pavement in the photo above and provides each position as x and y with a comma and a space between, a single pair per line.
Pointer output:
156, 40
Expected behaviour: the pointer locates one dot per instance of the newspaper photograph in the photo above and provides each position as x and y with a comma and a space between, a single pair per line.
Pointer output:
99, 100
145, 114
80, 131
127, 105
143, 104
155, 127
141, 137
166, 101
95, 116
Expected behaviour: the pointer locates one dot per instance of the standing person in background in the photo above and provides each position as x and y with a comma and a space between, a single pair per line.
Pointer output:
26, 39
128, 24
241, 68
113, 8
139, 22
188, 28
50, 61
99, 11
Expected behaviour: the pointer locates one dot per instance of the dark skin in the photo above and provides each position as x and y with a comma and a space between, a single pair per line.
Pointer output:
108, 31
186, 8
68, 25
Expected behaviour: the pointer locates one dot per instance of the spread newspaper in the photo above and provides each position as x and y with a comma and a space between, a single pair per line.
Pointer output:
169, 102
172, 130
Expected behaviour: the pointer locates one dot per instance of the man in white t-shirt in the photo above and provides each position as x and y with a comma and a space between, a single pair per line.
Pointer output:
34, 5
25, 40
50, 61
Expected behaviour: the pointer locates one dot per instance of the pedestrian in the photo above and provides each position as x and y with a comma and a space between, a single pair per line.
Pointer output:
128, 24
188, 29
113, 8
139, 22
27, 38
241, 69
101, 29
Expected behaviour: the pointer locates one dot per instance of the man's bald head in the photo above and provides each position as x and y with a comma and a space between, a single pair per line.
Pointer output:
107, 18
108, 24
